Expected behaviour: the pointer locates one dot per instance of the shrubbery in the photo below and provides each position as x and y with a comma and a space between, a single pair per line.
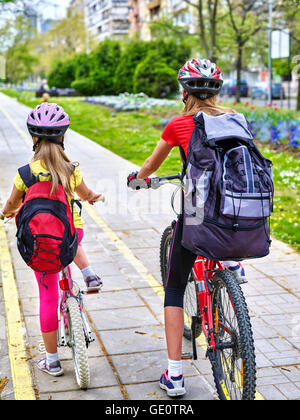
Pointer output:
113, 68
154, 77
62, 73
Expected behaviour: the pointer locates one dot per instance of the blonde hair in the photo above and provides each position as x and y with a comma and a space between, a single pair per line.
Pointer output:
194, 105
56, 162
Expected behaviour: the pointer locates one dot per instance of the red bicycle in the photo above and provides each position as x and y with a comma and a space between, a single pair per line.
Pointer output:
215, 305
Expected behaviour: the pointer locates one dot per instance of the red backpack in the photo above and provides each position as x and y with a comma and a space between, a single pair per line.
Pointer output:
46, 235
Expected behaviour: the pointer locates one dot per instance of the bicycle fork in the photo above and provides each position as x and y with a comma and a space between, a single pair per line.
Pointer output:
62, 336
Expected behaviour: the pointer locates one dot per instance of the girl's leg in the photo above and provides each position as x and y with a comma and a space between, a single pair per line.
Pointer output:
181, 262
91, 279
174, 327
48, 291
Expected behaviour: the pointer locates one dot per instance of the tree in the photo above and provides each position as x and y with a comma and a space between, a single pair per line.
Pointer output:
290, 18
208, 17
20, 60
62, 74
247, 18
154, 77
67, 38
104, 61
133, 53
208, 21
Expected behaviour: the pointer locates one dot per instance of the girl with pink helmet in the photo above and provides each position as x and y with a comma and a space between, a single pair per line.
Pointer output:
47, 124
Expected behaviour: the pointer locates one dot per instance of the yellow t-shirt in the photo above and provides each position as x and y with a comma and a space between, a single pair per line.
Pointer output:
76, 179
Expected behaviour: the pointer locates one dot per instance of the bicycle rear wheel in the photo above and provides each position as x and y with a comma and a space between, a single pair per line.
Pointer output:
77, 342
233, 361
190, 302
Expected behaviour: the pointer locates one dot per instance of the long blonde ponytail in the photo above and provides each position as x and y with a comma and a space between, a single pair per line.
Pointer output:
56, 162
194, 105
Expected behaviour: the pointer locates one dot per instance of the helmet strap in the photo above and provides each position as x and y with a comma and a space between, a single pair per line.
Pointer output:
184, 100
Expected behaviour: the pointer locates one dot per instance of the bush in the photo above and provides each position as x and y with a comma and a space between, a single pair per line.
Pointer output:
103, 64
82, 66
62, 74
154, 77
174, 53
83, 86
132, 55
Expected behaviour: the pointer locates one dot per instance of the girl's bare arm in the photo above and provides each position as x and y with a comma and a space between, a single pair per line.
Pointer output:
151, 165
86, 194
13, 203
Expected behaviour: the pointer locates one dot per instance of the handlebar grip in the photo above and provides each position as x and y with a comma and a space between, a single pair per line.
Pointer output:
102, 198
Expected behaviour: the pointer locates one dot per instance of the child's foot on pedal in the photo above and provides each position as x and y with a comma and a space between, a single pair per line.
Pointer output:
173, 386
93, 283
239, 273
53, 369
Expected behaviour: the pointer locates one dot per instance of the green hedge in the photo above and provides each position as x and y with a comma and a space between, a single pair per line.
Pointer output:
153, 79
115, 67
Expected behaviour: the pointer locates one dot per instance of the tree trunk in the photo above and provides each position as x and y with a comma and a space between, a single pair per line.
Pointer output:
238, 72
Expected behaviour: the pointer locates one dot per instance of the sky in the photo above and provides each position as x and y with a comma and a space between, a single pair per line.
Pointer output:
49, 10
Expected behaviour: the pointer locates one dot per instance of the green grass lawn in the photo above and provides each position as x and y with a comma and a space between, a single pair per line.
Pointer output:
134, 135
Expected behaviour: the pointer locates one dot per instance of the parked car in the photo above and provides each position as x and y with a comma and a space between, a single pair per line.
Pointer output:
54, 92
261, 91
229, 88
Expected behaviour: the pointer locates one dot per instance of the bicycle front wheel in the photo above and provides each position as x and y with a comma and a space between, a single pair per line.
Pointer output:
77, 342
233, 361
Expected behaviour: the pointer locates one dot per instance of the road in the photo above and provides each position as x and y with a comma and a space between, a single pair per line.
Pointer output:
122, 242
284, 104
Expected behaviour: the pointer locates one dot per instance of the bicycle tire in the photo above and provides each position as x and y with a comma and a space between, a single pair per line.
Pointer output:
77, 342
234, 369
190, 302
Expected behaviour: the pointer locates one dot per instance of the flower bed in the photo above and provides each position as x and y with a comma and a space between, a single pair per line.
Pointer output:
272, 125
131, 102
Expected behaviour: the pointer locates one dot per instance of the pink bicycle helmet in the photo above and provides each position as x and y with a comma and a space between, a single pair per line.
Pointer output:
200, 78
48, 121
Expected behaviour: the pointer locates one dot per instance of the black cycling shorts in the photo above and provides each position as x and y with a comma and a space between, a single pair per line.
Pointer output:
181, 262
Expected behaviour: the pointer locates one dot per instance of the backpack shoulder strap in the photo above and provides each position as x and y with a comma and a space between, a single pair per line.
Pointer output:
27, 176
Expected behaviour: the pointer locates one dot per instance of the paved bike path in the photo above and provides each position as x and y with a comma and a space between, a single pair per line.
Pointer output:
122, 242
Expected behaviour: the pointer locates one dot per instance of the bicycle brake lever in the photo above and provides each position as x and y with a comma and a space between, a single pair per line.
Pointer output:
155, 183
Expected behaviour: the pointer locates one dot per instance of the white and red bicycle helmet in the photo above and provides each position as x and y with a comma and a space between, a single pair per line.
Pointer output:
200, 78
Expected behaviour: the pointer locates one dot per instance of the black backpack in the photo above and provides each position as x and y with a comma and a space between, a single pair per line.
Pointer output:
228, 191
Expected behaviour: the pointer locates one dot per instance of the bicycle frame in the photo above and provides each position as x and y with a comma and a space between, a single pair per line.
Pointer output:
66, 292
203, 271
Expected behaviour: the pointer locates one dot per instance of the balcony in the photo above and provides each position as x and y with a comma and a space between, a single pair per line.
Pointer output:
153, 4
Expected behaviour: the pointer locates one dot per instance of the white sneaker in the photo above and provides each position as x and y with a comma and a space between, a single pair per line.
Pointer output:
239, 273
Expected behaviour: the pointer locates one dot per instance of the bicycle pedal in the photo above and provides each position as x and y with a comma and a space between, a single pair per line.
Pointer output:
91, 292
187, 356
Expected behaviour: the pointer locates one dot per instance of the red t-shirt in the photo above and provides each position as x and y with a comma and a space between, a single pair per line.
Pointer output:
179, 131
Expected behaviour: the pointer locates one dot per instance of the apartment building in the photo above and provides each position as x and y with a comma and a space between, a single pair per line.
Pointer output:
107, 18
144, 12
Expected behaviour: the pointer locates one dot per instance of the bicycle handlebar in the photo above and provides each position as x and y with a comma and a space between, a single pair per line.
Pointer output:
2, 217
157, 182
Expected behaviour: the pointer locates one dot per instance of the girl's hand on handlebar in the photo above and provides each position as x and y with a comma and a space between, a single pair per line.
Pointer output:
96, 198
11, 215
136, 184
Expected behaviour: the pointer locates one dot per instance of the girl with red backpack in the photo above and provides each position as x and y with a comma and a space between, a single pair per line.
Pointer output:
50, 180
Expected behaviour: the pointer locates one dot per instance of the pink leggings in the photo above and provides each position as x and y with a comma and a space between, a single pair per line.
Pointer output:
49, 297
